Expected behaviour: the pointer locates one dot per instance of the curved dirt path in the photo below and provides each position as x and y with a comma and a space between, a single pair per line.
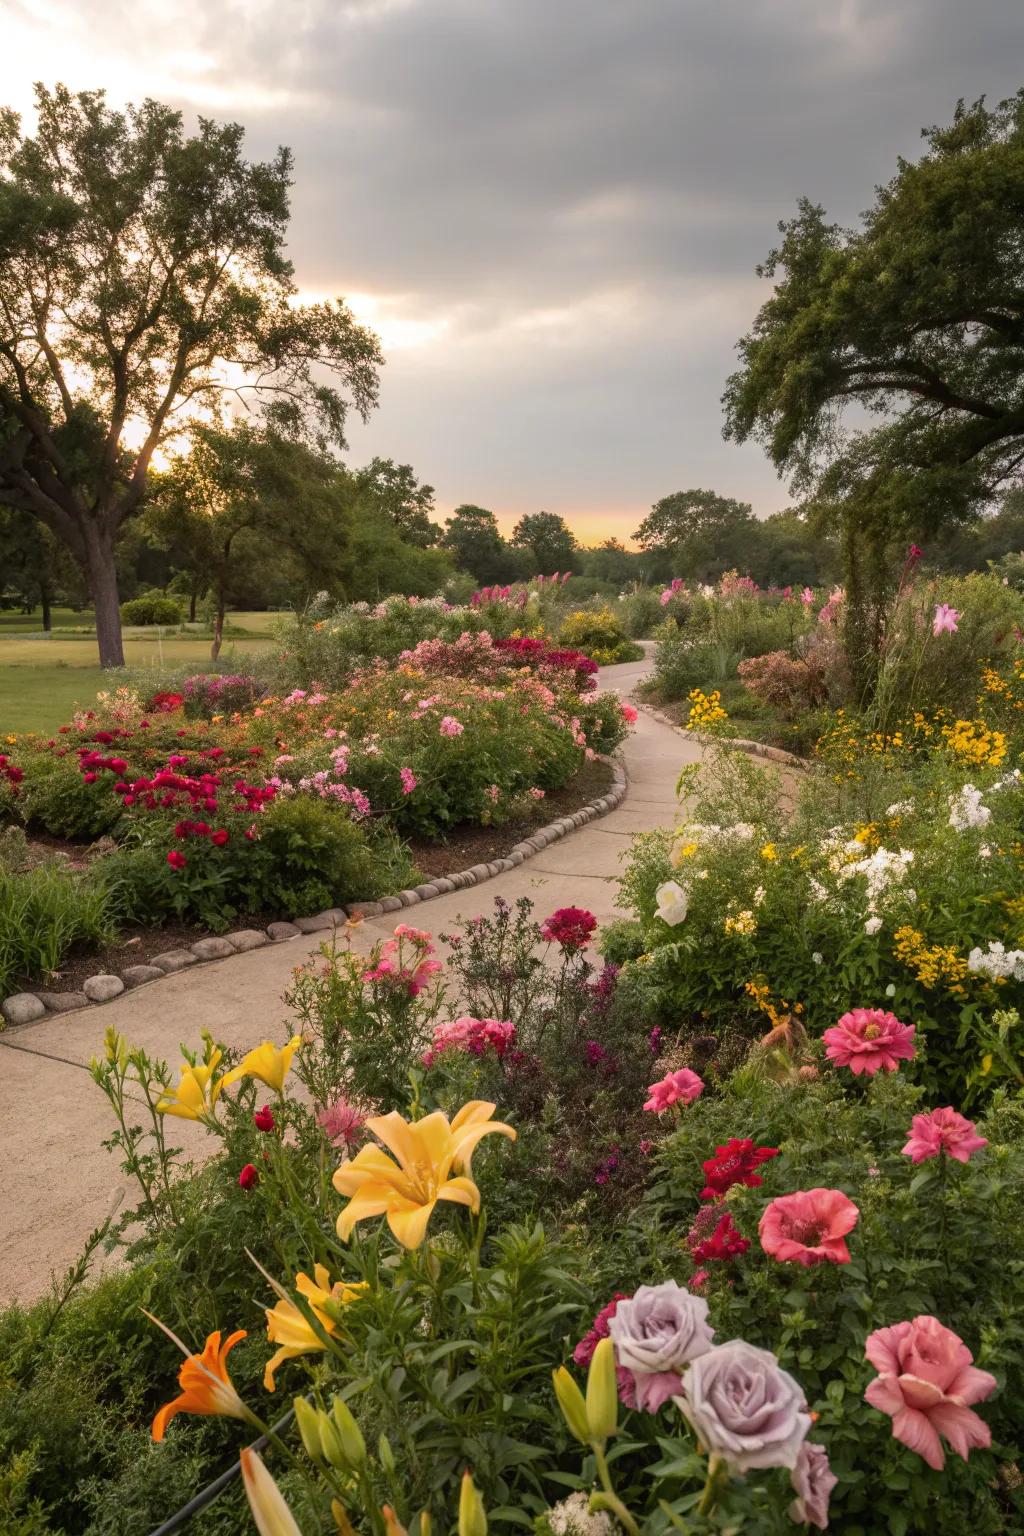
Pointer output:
57, 1182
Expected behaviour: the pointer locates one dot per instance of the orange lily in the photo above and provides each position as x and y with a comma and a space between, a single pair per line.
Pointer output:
205, 1384
289, 1327
270, 1063
431, 1162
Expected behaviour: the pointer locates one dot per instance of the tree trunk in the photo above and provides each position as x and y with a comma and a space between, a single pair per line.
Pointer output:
102, 576
44, 597
192, 600
218, 624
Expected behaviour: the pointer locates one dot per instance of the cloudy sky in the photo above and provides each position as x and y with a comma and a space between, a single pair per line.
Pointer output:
549, 209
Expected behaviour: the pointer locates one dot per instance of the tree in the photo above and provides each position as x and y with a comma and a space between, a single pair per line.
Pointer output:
143, 278
393, 491
32, 563
704, 533
611, 561
548, 540
248, 498
474, 539
917, 317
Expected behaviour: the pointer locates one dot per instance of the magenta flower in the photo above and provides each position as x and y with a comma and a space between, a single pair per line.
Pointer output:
808, 1227
943, 1130
681, 1087
451, 727
926, 1383
944, 620
409, 780
869, 1040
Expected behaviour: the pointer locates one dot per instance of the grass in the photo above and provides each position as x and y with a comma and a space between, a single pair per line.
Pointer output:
42, 678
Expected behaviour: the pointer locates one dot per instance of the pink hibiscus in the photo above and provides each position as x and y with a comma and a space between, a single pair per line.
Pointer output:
869, 1040
926, 1383
945, 619
943, 1130
808, 1227
680, 1087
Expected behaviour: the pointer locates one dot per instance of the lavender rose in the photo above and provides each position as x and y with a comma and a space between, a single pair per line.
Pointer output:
656, 1333
744, 1407
813, 1481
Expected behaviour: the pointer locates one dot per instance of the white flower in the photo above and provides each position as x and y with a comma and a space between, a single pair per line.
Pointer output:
966, 811
900, 808
984, 852
818, 957
998, 962
890, 990
817, 890
572, 1517
673, 903
759, 896
872, 926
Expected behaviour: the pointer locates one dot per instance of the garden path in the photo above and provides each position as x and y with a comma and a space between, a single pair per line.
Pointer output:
56, 1180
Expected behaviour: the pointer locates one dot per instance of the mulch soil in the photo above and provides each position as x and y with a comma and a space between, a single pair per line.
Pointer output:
465, 847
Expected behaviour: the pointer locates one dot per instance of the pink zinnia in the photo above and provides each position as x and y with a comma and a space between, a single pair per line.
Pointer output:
341, 1122
451, 727
944, 620
926, 1382
409, 780
808, 1227
869, 1040
943, 1130
681, 1087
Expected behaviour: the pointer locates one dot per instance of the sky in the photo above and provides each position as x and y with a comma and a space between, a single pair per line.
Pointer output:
550, 210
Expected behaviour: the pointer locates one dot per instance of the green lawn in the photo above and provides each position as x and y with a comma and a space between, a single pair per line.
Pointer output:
42, 678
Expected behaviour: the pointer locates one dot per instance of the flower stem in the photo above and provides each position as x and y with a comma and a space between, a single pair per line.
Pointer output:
611, 1498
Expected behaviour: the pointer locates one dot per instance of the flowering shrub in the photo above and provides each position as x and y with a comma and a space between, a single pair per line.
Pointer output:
599, 633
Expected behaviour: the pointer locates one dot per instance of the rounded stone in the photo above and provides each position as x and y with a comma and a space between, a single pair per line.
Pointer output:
313, 924
443, 886
63, 1002
212, 949
479, 871
280, 931
514, 859
22, 1008
408, 898
426, 891
391, 904
137, 975
364, 909
244, 939
102, 989
174, 960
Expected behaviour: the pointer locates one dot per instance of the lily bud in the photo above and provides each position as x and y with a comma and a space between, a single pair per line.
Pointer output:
270, 1513
602, 1393
392, 1525
386, 1455
472, 1516
352, 1443
570, 1400
331, 1448
308, 1420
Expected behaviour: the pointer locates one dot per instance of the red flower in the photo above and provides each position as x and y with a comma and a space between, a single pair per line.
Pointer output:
263, 1119
90, 778
725, 1243
220, 837
248, 1178
176, 860
571, 927
735, 1163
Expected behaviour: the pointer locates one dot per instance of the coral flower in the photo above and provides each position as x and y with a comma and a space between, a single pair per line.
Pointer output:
270, 1063
926, 1383
943, 1130
197, 1093
290, 1328
808, 1227
431, 1162
205, 1385
869, 1040
678, 1087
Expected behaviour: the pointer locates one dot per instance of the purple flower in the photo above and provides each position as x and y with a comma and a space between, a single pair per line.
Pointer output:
744, 1407
657, 1333
813, 1481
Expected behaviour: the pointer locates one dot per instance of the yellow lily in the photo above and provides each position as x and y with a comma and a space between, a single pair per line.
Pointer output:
289, 1327
270, 1513
431, 1162
196, 1095
270, 1063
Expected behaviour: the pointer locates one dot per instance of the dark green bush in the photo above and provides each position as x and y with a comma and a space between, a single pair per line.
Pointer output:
151, 610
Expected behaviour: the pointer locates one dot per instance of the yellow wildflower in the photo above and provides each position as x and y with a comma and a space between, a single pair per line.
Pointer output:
270, 1063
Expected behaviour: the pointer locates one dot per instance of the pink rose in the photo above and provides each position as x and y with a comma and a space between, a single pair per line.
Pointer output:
813, 1480
926, 1383
943, 1130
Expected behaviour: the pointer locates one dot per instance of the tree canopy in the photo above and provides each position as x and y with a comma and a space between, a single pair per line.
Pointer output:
394, 492
143, 279
704, 533
916, 319
548, 539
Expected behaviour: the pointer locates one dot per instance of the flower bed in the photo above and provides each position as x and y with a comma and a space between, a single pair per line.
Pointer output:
510, 1255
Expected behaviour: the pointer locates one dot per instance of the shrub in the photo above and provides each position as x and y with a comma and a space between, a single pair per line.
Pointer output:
224, 694
151, 610
598, 632
44, 911
792, 684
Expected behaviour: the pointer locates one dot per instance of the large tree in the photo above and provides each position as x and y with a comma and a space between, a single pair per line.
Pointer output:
142, 280
703, 533
916, 318
547, 539
393, 491
474, 539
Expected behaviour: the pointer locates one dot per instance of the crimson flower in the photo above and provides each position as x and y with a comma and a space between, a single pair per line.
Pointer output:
736, 1162
725, 1243
263, 1119
571, 927
176, 860
248, 1178
220, 837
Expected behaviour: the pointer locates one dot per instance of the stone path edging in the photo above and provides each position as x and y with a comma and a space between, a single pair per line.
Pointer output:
25, 1008
741, 743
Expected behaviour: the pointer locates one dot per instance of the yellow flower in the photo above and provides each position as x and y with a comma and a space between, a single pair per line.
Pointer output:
270, 1063
197, 1093
431, 1162
205, 1385
291, 1329
769, 852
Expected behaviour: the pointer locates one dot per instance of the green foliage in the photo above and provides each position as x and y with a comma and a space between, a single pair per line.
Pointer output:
547, 539
54, 795
598, 632
704, 533
44, 911
151, 610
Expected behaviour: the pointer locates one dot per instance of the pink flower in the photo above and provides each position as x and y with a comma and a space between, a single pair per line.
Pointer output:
451, 727
943, 1130
409, 780
869, 1040
341, 1122
926, 1383
536, 794
666, 597
628, 713
807, 597
176, 860
571, 927
683, 1087
944, 620
813, 1480
808, 1227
